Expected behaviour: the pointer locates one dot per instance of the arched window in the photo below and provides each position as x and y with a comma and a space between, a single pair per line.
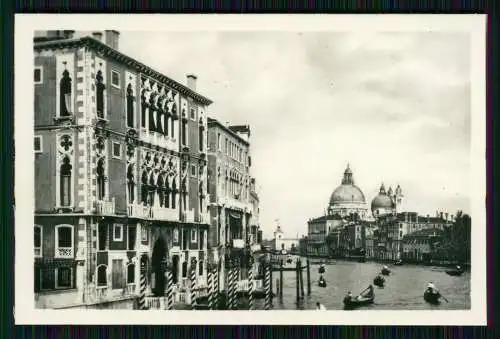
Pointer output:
174, 192
166, 117
152, 113
100, 95
101, 190
184, 132
159, 120
184, 194
65, 94
152, 189
200, 136
64, 241
143, 108
130, 106
144, 188
65, 184
131, 184
184, 269
167, 193
102, 275
131, 274
161, 190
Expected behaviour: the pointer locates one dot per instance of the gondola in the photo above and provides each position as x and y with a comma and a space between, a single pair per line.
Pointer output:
321, 282
321, 269
455, 272
379, 281
385, 271
362, 299
431, 296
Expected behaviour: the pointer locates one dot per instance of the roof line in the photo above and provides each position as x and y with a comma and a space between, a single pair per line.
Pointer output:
129, 61
213, 121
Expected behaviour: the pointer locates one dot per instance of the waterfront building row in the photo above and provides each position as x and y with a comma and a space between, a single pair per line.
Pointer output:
124, 168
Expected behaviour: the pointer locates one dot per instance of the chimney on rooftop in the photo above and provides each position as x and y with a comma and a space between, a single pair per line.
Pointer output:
112, 39
97, 35
191, 81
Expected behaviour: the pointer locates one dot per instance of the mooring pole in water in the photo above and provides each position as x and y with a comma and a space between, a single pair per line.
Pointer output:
250, 289
142, 291
193, 284
308, 277
170, 290
281, 279
267, 285
301, 277
216, 288
210, 284
297, 293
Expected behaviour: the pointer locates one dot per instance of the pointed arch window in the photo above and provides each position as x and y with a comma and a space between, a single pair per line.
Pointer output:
65, 184
174, 117
201, 130
167, 193
65, 94
152, 189
101, 179
159, 119
100, 94
166, 118
161, 191
184, 132
143, 109
130, 106
144, 188
152, 124
174, 192
184, 194
131, 184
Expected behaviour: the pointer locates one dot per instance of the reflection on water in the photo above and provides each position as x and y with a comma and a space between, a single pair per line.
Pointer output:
403, 289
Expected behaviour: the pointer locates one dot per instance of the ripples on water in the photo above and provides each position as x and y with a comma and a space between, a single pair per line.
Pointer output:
403, 289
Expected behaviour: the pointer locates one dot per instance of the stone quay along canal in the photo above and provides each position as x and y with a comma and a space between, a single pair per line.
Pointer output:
403, 289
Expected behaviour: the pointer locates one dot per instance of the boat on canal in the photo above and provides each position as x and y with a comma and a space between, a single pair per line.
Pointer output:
364, 298
321, 282
432, 296
457, 271
399, 263
379, 281
385, 270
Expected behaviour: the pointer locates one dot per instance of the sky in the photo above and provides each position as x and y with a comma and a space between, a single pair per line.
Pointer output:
395, 106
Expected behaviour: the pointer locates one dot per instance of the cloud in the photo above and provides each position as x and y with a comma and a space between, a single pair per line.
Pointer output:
394, 105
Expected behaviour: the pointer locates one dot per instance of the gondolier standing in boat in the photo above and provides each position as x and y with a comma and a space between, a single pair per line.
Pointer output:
430, 286
322, 269
348, 297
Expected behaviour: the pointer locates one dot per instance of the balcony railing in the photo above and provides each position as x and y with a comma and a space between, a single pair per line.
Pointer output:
138, 211
161, 213
105, 207
64, 252
238, 243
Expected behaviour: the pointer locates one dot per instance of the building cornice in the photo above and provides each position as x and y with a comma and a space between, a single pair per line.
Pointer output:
211, 122
105, 50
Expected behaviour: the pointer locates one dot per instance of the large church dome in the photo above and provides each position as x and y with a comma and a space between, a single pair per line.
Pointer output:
347, 192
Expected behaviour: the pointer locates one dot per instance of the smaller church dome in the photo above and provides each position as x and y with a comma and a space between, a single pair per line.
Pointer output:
382, 200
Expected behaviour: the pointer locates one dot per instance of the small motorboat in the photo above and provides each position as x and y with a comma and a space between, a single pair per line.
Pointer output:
364, 298
385, 270
398, 263
432, 296
379, 281
455, 272
322, 282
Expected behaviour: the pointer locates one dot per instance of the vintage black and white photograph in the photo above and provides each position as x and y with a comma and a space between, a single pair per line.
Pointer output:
256, 169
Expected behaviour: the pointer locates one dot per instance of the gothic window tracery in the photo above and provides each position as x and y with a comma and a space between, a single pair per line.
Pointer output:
131, 183
65, 170
100, 87
100, 171
65, 94
130, 106
65, 185
144, 187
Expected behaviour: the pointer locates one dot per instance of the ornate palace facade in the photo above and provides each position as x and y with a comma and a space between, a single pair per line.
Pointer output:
120, 172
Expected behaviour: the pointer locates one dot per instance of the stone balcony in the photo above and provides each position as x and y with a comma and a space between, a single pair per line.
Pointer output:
138, 211
105, 206
161, 213
158, 139
187, 216
233, 203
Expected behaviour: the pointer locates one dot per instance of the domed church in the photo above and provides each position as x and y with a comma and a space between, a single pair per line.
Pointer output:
387, 202
347, 198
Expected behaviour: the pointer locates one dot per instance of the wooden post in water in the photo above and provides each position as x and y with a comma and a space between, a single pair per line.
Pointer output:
271, 266
281, 279
297, 281
308, 277
301, 279
267, 285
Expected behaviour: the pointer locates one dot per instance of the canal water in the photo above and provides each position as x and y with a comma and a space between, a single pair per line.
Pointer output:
403, 289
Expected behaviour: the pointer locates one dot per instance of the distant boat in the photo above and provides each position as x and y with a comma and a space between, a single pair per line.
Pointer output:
386, 271
455, 272
398, 263
379, 281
